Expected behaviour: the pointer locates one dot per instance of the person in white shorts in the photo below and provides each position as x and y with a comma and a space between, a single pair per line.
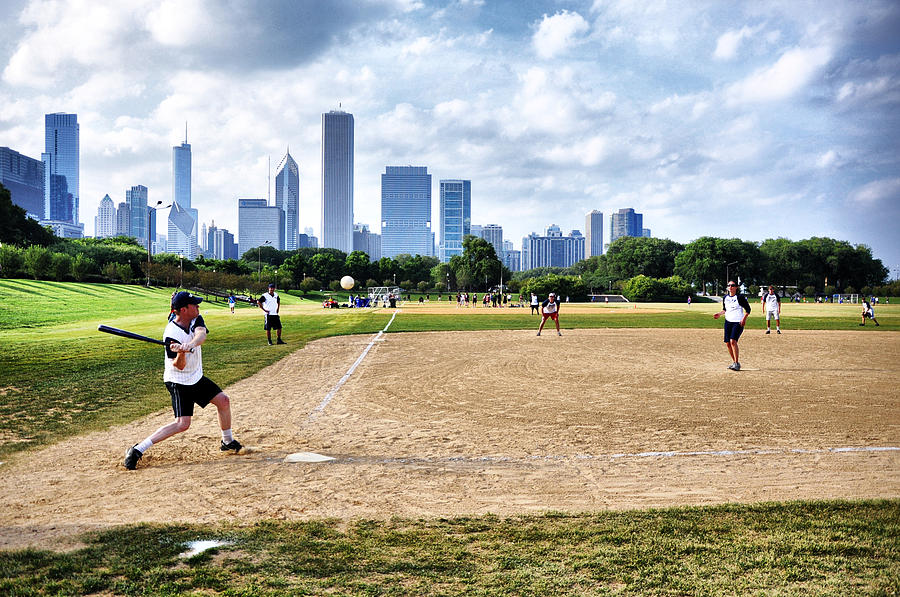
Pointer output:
868, 312
772, 304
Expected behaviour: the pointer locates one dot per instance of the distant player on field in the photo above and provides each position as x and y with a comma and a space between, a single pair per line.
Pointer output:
772, 304
550, 310
185, 380
270, 303
868, 312
734, 306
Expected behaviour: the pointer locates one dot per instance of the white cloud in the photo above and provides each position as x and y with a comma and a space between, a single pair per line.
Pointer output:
556, 34
790, 73
877, 191
728, 43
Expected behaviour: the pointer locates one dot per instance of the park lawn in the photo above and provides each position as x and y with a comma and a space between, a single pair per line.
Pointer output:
62, 377
797, 548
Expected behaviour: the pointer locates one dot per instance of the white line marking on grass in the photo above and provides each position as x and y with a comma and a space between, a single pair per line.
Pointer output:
352, 368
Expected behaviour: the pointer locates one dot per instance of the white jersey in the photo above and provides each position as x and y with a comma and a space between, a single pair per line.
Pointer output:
734, 310
270, 302
771, 303
193, 368
551, 307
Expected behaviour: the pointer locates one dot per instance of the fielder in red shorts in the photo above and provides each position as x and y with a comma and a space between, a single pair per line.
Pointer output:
550, 309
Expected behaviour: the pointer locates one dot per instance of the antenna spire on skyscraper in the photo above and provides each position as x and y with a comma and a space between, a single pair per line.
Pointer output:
185, 131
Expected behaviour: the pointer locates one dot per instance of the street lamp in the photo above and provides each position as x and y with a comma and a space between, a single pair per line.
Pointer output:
151, 211
727, 275
181, 271
259, 258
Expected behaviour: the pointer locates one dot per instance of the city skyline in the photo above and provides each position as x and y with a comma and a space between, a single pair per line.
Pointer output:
754, 120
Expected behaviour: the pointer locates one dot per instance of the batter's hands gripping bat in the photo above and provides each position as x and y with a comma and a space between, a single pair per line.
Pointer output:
127, 334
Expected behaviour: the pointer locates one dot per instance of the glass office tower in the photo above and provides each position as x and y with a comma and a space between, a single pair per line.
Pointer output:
593, 226
181, 240
625, 222
287, 198
337, 181
61, 166
406, 211
456, 216
136, 198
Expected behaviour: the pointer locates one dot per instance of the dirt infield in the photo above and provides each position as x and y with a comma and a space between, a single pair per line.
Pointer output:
442, 424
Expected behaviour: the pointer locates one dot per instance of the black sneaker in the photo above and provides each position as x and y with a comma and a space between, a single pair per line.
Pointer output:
280, 341
270, 343
770, 331
132, 456
232, 445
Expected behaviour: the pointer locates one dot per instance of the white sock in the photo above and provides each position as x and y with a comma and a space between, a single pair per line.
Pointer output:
144, 445
227, 437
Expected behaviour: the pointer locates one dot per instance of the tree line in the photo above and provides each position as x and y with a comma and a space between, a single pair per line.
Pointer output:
639, 268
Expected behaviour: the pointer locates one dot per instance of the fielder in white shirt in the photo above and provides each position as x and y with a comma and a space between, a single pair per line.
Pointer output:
772, 304
734, 306
184, 379
270, 303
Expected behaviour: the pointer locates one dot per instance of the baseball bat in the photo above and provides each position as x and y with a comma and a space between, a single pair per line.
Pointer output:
127, 334
132, 335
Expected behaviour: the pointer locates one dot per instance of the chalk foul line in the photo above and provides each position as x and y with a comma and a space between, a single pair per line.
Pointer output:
616, 456
352, 368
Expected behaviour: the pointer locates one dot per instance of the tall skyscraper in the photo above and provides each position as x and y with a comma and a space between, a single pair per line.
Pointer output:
24, 177
494, 235
287, 197
257, 223
553, 249
337, 180
182, 241
105, 222
367, 241
625, 222
123, 220
136, 198
406, 211
593, 226
61, 168
456, 216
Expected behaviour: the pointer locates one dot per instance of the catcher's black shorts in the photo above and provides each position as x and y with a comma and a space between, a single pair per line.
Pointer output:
184, 397
273, 322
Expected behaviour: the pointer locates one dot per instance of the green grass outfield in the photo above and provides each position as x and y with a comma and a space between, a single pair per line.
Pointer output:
60, 377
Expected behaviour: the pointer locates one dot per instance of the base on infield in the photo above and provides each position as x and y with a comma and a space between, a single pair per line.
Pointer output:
307, 457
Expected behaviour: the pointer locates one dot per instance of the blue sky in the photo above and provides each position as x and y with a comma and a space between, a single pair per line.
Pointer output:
753, 120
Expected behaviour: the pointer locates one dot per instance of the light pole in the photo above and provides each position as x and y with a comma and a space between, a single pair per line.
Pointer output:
258, 259
151, 211
181, 271
727, 275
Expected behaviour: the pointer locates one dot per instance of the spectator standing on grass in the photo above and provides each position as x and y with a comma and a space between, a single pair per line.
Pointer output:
550, 310
772, 304
270, 303
184, 379
868, 312
534, 304
734, 306
231, 302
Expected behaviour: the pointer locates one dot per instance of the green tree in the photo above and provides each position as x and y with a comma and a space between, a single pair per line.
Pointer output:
60, 266
358, 266
82, 267
38, 261
563, 286
293, 269
11, 260
630, 256
124, 272
17, 228
480, 263
310, 285
706, 261
325, 265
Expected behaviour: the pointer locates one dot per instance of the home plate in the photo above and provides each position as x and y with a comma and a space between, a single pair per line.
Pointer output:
307, 457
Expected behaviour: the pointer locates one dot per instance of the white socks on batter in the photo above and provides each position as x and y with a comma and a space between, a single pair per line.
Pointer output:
144, 445
227, 437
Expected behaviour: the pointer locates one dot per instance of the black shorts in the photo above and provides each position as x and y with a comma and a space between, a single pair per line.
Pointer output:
733, 330
273, 322
184, 397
